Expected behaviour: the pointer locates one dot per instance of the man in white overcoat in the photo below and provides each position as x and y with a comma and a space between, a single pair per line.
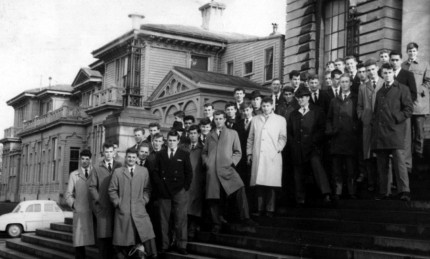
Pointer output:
266, 140
79, 199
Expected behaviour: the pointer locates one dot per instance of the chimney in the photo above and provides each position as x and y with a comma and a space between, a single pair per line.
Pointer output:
212, 16
275, 29
136, 20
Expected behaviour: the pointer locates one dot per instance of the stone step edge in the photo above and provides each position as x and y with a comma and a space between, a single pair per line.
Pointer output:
23, 245
61, 242
9, 253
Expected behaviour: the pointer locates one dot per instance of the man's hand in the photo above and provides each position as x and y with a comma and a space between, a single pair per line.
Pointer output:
249, 160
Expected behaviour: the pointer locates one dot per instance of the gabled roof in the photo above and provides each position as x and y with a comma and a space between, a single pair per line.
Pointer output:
86, 75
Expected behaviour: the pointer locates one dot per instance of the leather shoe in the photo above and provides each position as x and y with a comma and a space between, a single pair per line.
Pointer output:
406, 196
182, 251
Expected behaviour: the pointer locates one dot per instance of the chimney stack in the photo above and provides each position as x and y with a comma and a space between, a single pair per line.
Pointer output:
275, 29
212, 16
136, 20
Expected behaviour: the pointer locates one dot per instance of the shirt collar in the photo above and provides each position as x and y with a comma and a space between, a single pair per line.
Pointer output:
107, 163
88, 168
131, 167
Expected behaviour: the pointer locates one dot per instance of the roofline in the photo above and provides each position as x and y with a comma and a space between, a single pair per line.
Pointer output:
110, 44
270, 37
47, 91
19, 97
95, 64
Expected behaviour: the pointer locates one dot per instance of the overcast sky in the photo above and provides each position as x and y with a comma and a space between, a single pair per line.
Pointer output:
44, 38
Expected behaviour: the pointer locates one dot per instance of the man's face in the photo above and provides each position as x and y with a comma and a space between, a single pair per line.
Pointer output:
336, 80
327, 80
288, 96
361, 72
295, 81
276, 86
395, 61
143, 152
372, 72
138, 136
314, 84
231, 112
345, 84
384, 58
267, 108
351, 65
193, 135
219, 120
187, 124
131, 159
303, 100
205, 129
85, 161
157, 143
172, 142
388, 75
256, 102
412, 53
248, 112
330, 67
238, 96
208, 111
115, 150
108, 153
153, 130
340, 65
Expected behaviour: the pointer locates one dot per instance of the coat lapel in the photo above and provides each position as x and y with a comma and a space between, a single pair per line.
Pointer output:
126, 172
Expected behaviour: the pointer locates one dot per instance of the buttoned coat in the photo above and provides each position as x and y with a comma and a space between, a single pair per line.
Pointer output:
197, 187
305, 134
392, 107
365, 107
421, 70
220, 155
102, 206
129, 195
323, 100
343, 125
266, 140
407, 78
78, 198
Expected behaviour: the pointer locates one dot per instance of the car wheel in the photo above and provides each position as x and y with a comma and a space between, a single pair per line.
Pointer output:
14, 230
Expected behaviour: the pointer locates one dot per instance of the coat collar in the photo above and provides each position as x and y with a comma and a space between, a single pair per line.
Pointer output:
81, 173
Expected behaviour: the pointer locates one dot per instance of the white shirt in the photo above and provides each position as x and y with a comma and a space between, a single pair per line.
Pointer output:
396, 72
335, 89
109, 162
304, 110
316, 94
170, 151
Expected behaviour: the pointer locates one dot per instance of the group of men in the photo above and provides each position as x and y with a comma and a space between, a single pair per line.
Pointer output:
250, 151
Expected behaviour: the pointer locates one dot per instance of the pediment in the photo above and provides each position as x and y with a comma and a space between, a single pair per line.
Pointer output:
84, 76
172, 84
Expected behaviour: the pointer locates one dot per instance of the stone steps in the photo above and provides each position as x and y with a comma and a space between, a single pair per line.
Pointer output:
9, 253
36, 250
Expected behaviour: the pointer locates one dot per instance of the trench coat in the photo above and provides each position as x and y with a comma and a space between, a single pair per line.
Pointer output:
220, 155
78, 198
421, 70
129, 196
197, 186
365, 107
392, 107
102, 206
266, 140
342, 125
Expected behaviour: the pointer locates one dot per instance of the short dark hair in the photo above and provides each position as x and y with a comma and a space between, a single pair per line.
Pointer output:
350, 57
304, 76
327, 73
157, 135
339, 59
144, 144
230, 104
360, 65
154, 124
294, 73
173, 133
180, 114
247, 104
131, 150
370, 62
335, 72
238, 89
346, 75
387, 66
330, 62
313, 77
194, 127
205, 121
412, 45
139, 129
267, 99
85, 152
189, 118
395, 53
219, 112
208, 104
107, 145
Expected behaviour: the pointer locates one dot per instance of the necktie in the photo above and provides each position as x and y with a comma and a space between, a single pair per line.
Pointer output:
109, 167
344, 97
171, 153
193, 146
86, 173
315, 97
374, 84
246, 123
219, 133
131, 172
141, 162
337, 93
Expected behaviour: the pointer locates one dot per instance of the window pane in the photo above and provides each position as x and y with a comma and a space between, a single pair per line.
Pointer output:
341, 40
49, 207
341, 4
30, 208
336, 7
248, 67
327, 24
199, 63
37, 208
328, 11
230, 68
341, 22
335, 25
334, 38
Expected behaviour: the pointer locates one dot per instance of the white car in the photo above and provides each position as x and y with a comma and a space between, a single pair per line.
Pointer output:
30, 215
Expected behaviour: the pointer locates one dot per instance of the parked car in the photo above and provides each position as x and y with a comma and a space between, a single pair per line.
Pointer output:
30, 215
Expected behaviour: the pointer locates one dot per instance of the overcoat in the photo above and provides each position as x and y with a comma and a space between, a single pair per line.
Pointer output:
129, 196
102, 206
220, 155
78, 197
266, 140
305, 134
392, 107
365, 107
242, 167
342, 125
287, 108
197, 187
421, 70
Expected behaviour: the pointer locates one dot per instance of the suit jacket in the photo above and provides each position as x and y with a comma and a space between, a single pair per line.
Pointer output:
172, 175
197, 187
243, 132
323, 100
355, 84
278, 102
330, 92
406, 77
305, 134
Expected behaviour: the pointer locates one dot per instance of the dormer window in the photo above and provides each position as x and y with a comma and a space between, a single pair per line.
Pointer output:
199, 63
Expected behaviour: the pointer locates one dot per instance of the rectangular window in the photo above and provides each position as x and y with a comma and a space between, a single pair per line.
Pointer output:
199, 63
48, 207
54, 146
230, 68
334, 30
248, 68
268, 64
74, 159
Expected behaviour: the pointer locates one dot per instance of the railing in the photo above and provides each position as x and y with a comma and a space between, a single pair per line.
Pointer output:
73, 113
112, 95
11, 132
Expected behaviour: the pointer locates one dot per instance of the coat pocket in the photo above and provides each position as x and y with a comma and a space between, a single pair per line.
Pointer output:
227, 172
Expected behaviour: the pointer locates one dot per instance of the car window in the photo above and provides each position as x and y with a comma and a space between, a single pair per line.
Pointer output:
17, 208
49, 207
30, 208
37, 208
57, 209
